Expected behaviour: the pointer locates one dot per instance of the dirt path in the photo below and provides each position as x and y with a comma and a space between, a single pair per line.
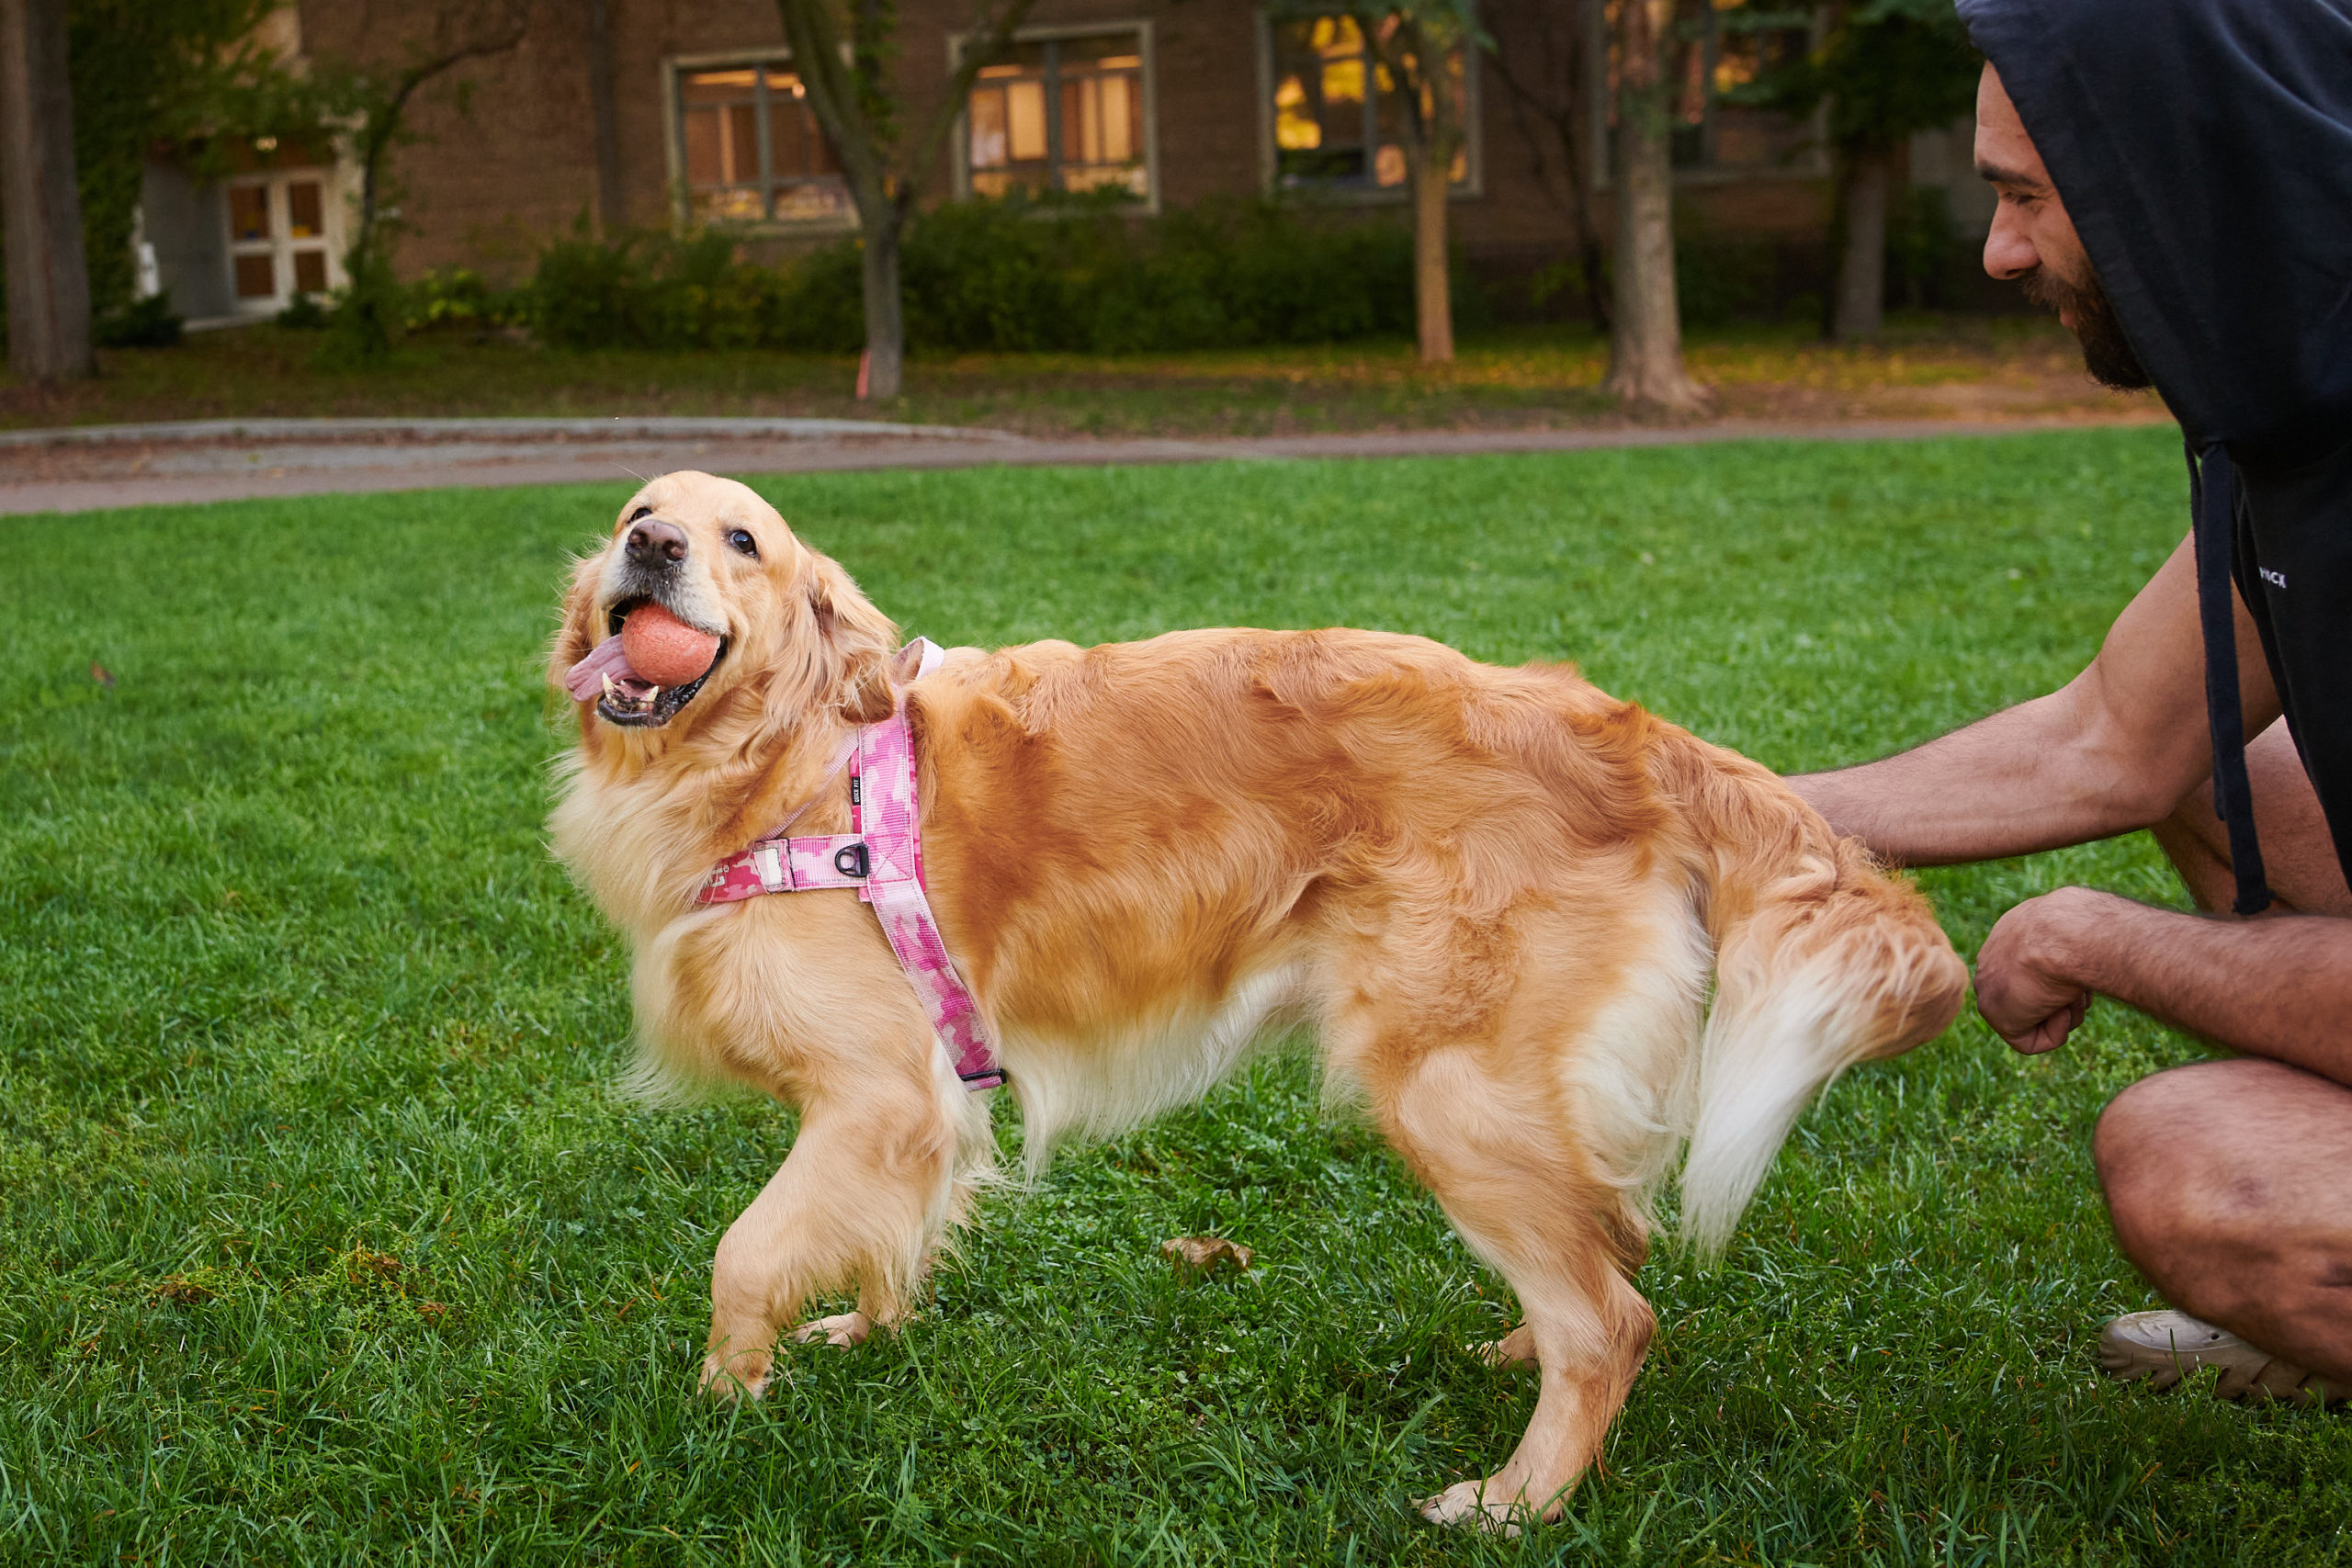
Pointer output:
93, 467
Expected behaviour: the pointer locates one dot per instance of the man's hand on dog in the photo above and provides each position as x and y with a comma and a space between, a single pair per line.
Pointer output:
2025, 972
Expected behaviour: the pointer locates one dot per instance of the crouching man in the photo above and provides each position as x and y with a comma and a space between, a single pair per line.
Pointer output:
2175, 177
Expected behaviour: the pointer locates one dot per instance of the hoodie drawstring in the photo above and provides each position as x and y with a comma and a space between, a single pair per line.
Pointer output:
2212, 502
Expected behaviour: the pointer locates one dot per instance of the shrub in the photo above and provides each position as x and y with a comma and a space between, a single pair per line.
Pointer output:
1016, 274
457, 299
1723, 277
652, 291
304, 313
579, 296
370, 314
150, 322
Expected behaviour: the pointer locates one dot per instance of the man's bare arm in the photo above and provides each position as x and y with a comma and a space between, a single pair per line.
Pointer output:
2280, 987
2113, 749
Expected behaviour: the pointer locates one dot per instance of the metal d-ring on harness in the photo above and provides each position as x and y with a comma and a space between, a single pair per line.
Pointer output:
881, 856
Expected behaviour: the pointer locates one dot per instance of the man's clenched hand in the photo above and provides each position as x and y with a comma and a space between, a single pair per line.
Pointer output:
2028, 986
2278, 986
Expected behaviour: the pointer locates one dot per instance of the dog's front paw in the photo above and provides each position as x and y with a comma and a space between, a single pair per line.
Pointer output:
1468, 1503
842, 1332
745, 1375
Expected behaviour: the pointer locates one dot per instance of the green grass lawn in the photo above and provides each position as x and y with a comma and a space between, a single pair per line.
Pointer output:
324, 1236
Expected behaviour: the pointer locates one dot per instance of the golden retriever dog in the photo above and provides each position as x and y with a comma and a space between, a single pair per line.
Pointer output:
1544, 938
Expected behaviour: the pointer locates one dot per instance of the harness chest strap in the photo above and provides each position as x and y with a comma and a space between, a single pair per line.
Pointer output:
881, 856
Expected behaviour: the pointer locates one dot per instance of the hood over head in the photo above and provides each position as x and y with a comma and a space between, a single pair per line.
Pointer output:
2203, 148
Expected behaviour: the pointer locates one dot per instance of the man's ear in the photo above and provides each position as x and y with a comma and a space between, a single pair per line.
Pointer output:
860, 639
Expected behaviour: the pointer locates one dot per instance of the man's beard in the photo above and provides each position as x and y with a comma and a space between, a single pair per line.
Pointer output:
2107, 353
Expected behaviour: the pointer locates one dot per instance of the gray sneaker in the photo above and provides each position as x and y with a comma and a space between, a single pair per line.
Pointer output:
2165, 1346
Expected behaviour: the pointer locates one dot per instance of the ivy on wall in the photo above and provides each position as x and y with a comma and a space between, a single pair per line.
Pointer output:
148, 74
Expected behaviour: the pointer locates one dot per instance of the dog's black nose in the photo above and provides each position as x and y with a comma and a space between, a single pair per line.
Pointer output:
656, 543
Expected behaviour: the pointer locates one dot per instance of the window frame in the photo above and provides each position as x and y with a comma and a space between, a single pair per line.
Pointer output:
1472, 187
960, 138
1810, 163
281, 245
675, 68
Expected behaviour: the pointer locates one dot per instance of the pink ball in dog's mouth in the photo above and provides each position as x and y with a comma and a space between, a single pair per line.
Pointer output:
663, 649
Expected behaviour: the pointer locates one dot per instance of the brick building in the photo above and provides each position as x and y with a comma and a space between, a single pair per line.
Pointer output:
637, 113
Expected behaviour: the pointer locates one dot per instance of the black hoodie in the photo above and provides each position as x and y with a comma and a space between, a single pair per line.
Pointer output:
2204, 151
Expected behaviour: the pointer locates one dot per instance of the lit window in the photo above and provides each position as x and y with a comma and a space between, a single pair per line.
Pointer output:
1338, 114
752, 149
1060, 114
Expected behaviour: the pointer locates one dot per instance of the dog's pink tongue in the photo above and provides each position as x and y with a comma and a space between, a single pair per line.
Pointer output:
585, 679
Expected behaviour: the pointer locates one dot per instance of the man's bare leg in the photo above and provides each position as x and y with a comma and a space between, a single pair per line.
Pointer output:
2230, 1182
2231, 1187
2298, 856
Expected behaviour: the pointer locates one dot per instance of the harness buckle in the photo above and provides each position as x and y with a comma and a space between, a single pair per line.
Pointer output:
853, 862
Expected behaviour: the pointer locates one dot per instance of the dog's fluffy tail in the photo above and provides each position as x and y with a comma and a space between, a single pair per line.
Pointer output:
1822, 960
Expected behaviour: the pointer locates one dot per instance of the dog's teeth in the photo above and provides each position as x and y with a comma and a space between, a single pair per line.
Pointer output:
651, 694
608, 685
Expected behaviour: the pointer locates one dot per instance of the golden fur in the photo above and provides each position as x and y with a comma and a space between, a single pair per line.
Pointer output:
1498, 894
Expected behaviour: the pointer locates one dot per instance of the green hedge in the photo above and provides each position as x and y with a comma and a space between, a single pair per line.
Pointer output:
1005, 276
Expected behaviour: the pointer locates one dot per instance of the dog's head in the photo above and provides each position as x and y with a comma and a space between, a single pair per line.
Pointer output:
795, 638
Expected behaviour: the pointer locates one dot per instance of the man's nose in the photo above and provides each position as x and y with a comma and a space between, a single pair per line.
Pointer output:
656, 543
2008, 251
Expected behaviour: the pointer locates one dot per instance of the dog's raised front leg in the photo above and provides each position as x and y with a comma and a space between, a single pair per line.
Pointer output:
863, 1197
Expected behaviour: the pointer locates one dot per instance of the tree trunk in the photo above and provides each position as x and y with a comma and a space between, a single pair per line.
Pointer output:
49, 285
1645, 337
886, 321
1861, 267
1433, 293
610, 202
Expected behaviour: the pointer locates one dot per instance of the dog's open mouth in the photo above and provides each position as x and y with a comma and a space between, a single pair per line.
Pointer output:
622, 694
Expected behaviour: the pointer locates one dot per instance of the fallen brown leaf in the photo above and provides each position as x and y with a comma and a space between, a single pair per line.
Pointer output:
181, 1291
381, 1264
101, 674
1203, 1255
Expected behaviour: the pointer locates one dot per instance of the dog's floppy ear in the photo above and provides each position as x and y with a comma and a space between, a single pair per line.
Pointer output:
578, 634
860, 639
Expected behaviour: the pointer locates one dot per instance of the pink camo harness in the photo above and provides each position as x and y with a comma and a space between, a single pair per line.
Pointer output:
881, 856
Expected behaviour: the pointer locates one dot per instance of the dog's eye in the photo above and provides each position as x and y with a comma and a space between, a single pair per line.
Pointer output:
744, 542
639, 512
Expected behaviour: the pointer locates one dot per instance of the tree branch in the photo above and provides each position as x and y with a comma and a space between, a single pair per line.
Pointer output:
832, 91
969, 62
380, 127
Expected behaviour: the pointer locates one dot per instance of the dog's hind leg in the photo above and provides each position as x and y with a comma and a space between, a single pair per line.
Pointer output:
1509, 1180
865, 1197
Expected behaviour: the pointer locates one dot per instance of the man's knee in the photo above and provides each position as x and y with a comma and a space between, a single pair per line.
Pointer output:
2141, 1121
2181, 1172
2161, 1155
